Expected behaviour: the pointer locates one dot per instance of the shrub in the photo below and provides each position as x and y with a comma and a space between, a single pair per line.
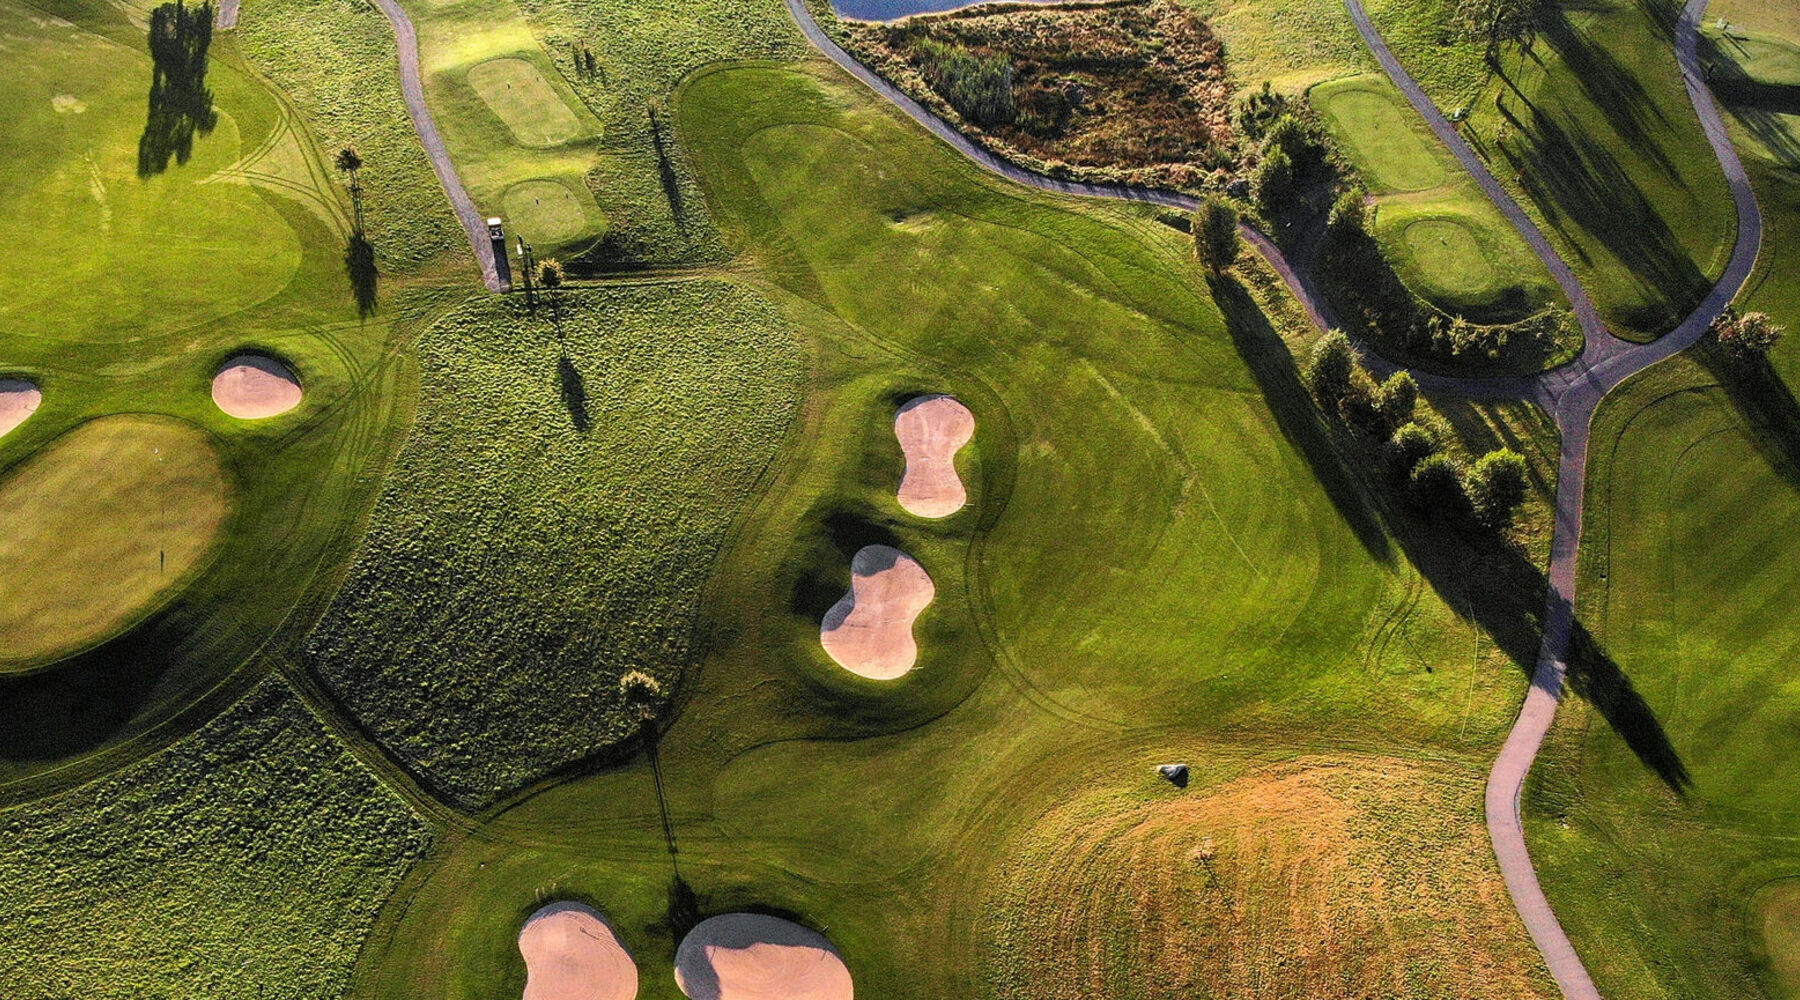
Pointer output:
1304, 149
1748, 336
1349, 218
1496, 487
979, 87
1361, 408
1330, 369
1411, 444
1399, 397
1437, 486
1273, 181
1216, 240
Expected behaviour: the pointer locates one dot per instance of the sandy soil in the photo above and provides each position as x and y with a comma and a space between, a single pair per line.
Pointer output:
572, 953
932, 429
869, 632
18, 399
253, 387
748, 956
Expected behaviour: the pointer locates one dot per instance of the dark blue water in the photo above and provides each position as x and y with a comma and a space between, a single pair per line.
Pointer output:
892, 10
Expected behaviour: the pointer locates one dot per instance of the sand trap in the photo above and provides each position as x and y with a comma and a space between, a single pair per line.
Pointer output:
253, 387
747, 956
869, 632
932, 429
18, 399
572, 953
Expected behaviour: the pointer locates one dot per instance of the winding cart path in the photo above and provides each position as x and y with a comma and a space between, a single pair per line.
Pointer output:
1570, 393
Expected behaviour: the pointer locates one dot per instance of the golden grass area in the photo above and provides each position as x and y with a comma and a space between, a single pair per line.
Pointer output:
99, 524
1316, 879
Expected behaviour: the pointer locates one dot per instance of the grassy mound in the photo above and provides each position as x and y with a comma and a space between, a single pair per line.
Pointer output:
550, 522
98, 525
1292, 44
1310, 879
1449, 258
547, 212
251, 858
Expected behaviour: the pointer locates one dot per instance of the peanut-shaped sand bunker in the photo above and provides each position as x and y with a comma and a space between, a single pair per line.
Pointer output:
18, 399
572, 953
869, 631
254, 387
932, 429
748, 956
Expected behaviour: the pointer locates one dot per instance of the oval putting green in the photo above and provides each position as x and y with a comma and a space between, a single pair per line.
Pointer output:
98, 526
545, 211
1379, 136
1447, 257
520, 96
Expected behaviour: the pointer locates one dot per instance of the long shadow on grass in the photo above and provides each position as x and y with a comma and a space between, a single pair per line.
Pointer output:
1480, 575
1759, 107
359, 266
1576, 179
574, 393
180, 104
1766, 403
1611, 87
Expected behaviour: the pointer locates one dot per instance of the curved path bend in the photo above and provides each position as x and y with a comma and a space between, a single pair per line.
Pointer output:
1570, 393
406, 39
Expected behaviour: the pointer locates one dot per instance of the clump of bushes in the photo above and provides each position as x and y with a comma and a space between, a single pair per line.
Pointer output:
1746, 336
978, 85
1436, 481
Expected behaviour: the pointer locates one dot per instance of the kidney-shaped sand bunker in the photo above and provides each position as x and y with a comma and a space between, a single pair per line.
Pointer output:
18, 399
572, 953
255, 387
869, 631
932, 429
749, 956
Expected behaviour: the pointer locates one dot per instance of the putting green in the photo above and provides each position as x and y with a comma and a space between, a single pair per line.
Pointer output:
520, 96
1446, 254
546, 211
99, 525
1378, 135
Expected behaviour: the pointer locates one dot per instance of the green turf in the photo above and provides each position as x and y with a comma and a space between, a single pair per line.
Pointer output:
1442, 58
1593, 131
1292, 44
1443, 236
547, 211
99, 524
1147, 571
298, 484
249, 859
509, 117
1685, 578
550, 523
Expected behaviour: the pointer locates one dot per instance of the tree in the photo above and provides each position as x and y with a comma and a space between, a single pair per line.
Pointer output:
1748, 336
1496, 22
1437, 485
550, 278
1349, 217
1496, 487
1411, 444
1216, 240
642, 693
1399, 397
1291, 136
1273, 182
1330, 369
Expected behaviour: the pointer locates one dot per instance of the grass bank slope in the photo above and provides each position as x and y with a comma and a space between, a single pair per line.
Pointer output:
547, 527
251, 858
1593, 132
1292, 44
1658, 871
1147, 571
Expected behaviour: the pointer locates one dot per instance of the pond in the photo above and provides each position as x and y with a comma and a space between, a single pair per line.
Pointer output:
893, 10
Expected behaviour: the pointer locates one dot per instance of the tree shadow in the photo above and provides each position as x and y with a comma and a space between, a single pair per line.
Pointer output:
181, 105
1576, 179
1759, 107
1482, 576
359, 266
665, 170
1766, 404
1611, 87
574, 393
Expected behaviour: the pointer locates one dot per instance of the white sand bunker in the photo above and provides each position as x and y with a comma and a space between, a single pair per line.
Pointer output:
747, 956
932, 429
572, 953
254, 387
869, 631
18, 399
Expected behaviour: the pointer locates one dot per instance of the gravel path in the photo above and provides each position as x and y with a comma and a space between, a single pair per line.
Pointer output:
406, 39
1570, 393
228, 15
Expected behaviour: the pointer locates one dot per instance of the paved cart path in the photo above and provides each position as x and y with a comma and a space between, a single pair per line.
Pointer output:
1570, 393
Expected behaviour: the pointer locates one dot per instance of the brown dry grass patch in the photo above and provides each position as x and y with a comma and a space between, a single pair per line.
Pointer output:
1315, 879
